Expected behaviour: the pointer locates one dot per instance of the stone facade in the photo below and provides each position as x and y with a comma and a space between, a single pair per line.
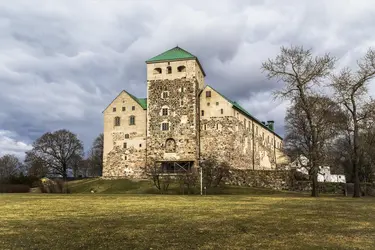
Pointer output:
184, 121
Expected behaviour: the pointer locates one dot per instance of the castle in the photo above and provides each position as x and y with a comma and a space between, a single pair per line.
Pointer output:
181, 122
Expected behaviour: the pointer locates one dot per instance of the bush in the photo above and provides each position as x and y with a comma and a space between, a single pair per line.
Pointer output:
14, 188
53, 186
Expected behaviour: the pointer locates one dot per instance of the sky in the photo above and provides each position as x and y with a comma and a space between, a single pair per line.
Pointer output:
63, 62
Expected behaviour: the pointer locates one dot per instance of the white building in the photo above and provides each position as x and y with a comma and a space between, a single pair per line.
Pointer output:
324, 175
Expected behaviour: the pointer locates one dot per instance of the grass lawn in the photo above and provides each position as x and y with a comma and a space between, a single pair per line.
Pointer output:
129, 221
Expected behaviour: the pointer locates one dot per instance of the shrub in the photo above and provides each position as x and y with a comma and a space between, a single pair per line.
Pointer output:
53, 186
14, 188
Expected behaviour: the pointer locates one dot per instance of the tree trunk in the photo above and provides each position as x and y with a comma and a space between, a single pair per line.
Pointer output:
315, 188
357, 186
65, 174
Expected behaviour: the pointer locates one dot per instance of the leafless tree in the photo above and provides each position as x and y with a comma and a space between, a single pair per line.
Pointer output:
351, 90
302, 74
95, 159
58, 150
9, 167
35, 165
328, 119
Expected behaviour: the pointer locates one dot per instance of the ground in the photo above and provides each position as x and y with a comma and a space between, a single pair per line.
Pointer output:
141, 221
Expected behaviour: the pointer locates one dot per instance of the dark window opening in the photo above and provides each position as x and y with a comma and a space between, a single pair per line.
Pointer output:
126, 136
140, 145
123, 108
133, 107
165, 126
125, 145
165, 94
208, 93
114, 109
169, 70
222, 111
132, 120
157, 71
165, 111
117, 121
181, 68
202, 112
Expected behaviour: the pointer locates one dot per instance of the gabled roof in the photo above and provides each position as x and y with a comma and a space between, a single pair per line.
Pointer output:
175, 54
245, 112
141, 101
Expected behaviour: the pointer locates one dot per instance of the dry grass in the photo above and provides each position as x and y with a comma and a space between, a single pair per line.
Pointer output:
99, 221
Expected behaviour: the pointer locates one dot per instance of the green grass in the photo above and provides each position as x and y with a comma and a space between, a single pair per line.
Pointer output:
123, 221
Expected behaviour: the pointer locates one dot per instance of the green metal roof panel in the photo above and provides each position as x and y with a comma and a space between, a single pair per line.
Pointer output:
173, 54
143, 102
244, 111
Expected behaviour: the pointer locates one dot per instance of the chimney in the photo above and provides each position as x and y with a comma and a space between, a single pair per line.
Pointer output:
270, 125
264, 123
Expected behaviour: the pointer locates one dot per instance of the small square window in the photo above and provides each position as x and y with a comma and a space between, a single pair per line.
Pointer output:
165, 111
126, 136
202, 112
165, 94
123, 108
140, 145
133, 107
208, 104
125, 145
208, 93
114, 109
217, 103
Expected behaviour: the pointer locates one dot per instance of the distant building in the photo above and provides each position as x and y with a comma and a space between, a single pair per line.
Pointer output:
181, 121
324, 175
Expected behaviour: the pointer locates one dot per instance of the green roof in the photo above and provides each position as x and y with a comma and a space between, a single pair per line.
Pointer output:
175, 54
245, 112
140, 101
171, 55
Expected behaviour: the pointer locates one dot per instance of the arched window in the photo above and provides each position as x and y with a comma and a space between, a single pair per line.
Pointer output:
117, 121
170, 146
181, 68
132, 120
157, 71
169, 70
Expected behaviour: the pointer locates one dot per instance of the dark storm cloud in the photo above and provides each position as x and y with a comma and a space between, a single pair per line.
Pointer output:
63, 62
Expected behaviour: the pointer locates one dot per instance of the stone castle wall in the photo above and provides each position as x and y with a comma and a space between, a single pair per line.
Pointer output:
182, 118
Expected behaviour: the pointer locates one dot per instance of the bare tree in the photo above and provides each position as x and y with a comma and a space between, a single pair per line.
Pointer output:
96, 156
301, 73
328, 119
351, 91
35, 166
9, 167
58, 150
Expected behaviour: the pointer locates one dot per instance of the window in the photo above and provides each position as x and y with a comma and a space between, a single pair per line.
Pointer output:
133, 107
181, 68
114, 109
123, 108
169, 70
181, 102
208, 93
165, 111
126, 157
202, 112
217, 103
244, 122
157, 71
208, 104
125, 145
140, 145
165, 94
182, 89
222, 111
217, 126
165, 126
126, 136
205, 127
132, 120
117, 121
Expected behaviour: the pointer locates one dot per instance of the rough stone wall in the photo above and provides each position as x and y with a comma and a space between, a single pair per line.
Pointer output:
229, 140
278, 180
119, 161
182, 119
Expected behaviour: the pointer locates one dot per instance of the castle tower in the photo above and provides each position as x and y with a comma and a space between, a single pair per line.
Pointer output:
174, 81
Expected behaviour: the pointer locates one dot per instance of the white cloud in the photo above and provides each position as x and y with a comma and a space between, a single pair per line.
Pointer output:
9, 145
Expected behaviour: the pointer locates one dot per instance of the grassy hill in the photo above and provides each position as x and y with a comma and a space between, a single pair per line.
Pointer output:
125, 186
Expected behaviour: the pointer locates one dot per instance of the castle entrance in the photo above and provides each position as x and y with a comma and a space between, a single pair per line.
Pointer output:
176, 167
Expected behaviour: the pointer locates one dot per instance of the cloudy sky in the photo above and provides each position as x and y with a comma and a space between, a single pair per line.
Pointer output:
62, 62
